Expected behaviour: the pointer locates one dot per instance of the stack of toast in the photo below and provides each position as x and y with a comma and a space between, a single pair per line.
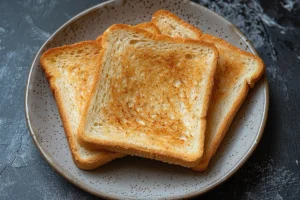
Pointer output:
161, 90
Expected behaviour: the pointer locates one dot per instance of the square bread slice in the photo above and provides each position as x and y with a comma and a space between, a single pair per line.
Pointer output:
71, 71
236, 72
151, 96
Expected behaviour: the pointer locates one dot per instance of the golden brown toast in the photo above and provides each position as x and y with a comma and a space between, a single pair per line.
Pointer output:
70, 70
151, 96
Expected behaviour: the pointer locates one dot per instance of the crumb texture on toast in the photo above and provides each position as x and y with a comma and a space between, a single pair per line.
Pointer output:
151, 94
73, 67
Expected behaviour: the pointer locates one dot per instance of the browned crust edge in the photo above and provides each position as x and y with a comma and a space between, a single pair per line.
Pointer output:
164, 13
99, 40
121, 146
86, 164
221, 132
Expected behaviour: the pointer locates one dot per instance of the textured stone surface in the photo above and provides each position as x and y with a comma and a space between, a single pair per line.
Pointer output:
271, 173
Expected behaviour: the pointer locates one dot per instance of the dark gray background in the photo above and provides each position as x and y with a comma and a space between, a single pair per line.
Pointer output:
273, 172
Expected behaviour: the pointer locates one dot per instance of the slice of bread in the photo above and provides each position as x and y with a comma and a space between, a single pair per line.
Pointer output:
151, 96
71, 71
237, 71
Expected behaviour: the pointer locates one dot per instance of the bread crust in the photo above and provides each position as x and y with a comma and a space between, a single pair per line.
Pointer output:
170, 157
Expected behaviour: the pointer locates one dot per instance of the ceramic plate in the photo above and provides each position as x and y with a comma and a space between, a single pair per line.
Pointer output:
133, 177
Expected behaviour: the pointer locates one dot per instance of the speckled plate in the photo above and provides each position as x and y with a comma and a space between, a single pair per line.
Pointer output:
133, 177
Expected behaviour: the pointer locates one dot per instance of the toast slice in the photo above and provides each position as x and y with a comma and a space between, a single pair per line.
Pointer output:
151, 96
71, 71
236, 72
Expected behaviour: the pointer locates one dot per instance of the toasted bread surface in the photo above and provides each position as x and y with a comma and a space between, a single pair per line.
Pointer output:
236, 72
171, 25
151, 96
70, 70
